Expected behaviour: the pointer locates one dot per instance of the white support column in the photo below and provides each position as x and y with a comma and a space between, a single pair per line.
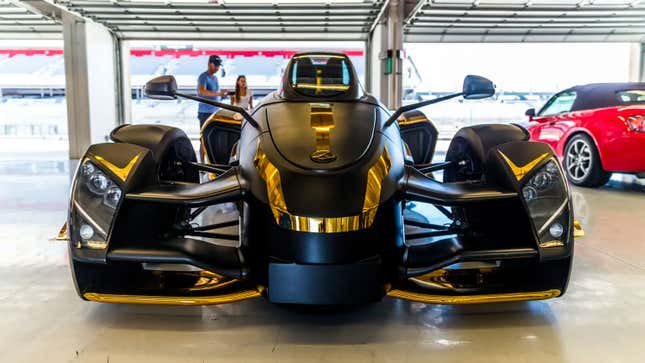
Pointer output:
377, 79
386, 46
395, 44
90, 74
126, 87
636, 61
641, 70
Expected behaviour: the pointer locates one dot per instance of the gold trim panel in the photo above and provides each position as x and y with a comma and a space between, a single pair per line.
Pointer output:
320, 55
473, 299
271, 177
63, 233
121, 172
551, 244
321, 117
375, 177
326, 224
521, 171
403, 121
172, 300
283, 218
317, 87
220, 119
578, 231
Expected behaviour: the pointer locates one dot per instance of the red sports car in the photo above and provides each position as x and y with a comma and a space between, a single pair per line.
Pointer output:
596, 129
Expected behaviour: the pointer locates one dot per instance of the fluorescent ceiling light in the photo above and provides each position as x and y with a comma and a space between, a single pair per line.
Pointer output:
306, 2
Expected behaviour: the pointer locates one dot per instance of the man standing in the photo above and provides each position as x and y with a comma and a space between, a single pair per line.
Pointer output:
208, 87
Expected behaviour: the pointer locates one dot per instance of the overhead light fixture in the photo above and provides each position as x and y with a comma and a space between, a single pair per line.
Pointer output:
305, 2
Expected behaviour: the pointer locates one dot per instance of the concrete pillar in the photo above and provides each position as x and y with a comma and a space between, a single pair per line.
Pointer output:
377, 82
385, 54
125, 109
636, 62
641, 68
90, 82
395, 44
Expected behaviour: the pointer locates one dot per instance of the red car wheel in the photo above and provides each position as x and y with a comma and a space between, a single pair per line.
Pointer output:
582, 163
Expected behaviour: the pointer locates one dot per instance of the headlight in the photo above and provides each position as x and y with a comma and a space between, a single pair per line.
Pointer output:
112, 197
94, 200
97, 183
546, 197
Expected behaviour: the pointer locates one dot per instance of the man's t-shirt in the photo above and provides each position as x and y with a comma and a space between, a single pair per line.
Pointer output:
210, 83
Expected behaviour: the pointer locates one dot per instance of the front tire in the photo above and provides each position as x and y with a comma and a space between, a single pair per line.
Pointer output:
582, 163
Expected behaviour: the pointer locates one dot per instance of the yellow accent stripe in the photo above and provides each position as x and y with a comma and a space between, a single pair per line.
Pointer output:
326, 224
319, 86
473, 299
271, 177
578, 232
412, 120
521, 171
375, 177
121, 173
319, 56
172, 300
63, 234
219, 119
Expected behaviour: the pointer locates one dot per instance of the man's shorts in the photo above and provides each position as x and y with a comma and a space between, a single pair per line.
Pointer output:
202, 117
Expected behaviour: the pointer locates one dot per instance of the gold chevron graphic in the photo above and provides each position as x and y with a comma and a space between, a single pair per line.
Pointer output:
123, 172
521, 171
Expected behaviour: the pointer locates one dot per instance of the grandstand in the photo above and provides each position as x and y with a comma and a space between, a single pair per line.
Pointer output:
38, 72
34, 79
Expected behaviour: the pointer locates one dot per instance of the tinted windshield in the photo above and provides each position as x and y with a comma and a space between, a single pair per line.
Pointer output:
320, 75
631, 96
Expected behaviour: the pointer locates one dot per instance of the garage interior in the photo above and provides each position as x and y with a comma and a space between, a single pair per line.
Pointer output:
600, 319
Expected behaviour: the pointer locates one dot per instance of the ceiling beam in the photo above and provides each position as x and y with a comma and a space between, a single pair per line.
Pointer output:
379, 16
512, 7
252, 36
413, 13
322, 7
41, 7
512, 37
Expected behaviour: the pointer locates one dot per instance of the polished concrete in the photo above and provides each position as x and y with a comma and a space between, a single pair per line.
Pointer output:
601, 319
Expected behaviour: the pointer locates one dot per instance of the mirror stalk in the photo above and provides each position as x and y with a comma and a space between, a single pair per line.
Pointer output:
225, 106
414, 106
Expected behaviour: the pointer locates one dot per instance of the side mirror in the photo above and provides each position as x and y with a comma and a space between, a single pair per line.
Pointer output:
530, 112
476, 87
161, 88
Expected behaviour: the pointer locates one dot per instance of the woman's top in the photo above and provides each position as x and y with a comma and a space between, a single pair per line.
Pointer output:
245, 101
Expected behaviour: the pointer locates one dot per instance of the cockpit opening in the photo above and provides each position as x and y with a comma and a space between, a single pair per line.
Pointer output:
321, 75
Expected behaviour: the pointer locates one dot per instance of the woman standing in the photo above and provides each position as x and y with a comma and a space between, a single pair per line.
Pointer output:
243, 95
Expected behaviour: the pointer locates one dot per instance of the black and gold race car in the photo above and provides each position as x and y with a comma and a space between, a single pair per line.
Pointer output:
319, 196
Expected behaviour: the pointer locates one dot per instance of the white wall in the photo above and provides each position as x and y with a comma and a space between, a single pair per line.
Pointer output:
523, 66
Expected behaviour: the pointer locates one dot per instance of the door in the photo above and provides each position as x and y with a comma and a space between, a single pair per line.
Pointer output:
555, 118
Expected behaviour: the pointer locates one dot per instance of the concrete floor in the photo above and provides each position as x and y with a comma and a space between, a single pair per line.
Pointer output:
601, 319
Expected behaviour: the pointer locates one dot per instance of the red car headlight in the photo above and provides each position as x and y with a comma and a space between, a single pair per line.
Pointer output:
637, 122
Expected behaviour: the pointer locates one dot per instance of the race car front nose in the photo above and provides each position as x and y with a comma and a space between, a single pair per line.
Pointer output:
345, 284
